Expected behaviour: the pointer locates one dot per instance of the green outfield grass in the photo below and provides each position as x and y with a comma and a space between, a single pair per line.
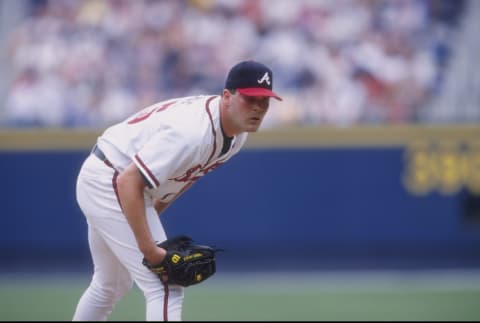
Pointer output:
296, 297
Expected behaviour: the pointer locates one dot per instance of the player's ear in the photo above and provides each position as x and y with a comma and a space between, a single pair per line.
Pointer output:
226, 93
227, 96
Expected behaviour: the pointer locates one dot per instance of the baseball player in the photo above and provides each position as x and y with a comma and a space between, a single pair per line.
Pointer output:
138, 167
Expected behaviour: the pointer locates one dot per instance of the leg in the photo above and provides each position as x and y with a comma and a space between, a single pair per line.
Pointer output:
165, 305
110, 282
111, 234
162, 302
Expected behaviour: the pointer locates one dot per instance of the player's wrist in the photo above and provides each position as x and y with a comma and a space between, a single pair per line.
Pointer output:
154, 254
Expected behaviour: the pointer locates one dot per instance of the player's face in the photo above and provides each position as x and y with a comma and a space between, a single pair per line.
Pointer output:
249, 111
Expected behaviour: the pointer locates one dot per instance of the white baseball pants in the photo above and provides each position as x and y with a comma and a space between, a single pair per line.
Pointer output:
116, 257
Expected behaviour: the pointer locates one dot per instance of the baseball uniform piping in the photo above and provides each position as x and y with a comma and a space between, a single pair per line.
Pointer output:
148, 174
165, 302
207, 107
115, 187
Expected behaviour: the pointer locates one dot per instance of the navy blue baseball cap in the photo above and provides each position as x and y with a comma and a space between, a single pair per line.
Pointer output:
251, 78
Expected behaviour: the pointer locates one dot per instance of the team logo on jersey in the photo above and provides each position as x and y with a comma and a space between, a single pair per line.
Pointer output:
265, 78
196, 172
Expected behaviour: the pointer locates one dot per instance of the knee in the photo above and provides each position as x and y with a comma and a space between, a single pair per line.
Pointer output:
122, 288
174, 292
109, 292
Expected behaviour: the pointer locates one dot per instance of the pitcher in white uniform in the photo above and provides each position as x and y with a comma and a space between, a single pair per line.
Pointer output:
138, 167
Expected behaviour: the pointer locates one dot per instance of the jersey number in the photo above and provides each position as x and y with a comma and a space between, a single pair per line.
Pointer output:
144, 115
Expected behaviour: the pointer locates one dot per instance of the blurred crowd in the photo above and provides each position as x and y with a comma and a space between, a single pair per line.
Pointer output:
90, 63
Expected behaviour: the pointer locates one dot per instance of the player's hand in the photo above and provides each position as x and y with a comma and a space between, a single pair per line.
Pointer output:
156, 255
186, 262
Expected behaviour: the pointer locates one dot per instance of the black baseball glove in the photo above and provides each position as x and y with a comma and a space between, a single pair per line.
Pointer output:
186, 263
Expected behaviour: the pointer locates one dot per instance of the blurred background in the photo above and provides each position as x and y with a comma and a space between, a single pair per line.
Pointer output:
337, 62
369, 168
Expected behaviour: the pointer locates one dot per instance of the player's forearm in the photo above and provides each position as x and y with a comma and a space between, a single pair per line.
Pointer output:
134, 209
130, 191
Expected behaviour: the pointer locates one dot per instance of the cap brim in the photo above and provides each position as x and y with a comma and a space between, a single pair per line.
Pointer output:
259, 91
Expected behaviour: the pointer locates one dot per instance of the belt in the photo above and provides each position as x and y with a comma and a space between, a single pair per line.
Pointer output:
99, 153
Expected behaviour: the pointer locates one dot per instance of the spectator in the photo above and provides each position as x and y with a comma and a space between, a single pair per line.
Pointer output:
341, 62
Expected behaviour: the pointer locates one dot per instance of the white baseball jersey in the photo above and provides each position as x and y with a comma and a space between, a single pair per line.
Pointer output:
173, 143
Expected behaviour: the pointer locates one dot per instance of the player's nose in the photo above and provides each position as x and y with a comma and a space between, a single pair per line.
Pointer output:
259, 106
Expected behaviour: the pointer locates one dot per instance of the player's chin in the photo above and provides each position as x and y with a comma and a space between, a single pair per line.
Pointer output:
253, 125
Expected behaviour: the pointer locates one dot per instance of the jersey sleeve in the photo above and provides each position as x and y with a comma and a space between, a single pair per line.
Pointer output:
165, 154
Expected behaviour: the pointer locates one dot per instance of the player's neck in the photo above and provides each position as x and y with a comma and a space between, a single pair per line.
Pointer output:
227, 130
225, 136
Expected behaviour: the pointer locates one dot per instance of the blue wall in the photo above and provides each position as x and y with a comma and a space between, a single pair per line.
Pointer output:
325, 205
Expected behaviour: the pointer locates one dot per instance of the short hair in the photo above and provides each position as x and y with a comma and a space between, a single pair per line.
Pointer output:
232, 91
